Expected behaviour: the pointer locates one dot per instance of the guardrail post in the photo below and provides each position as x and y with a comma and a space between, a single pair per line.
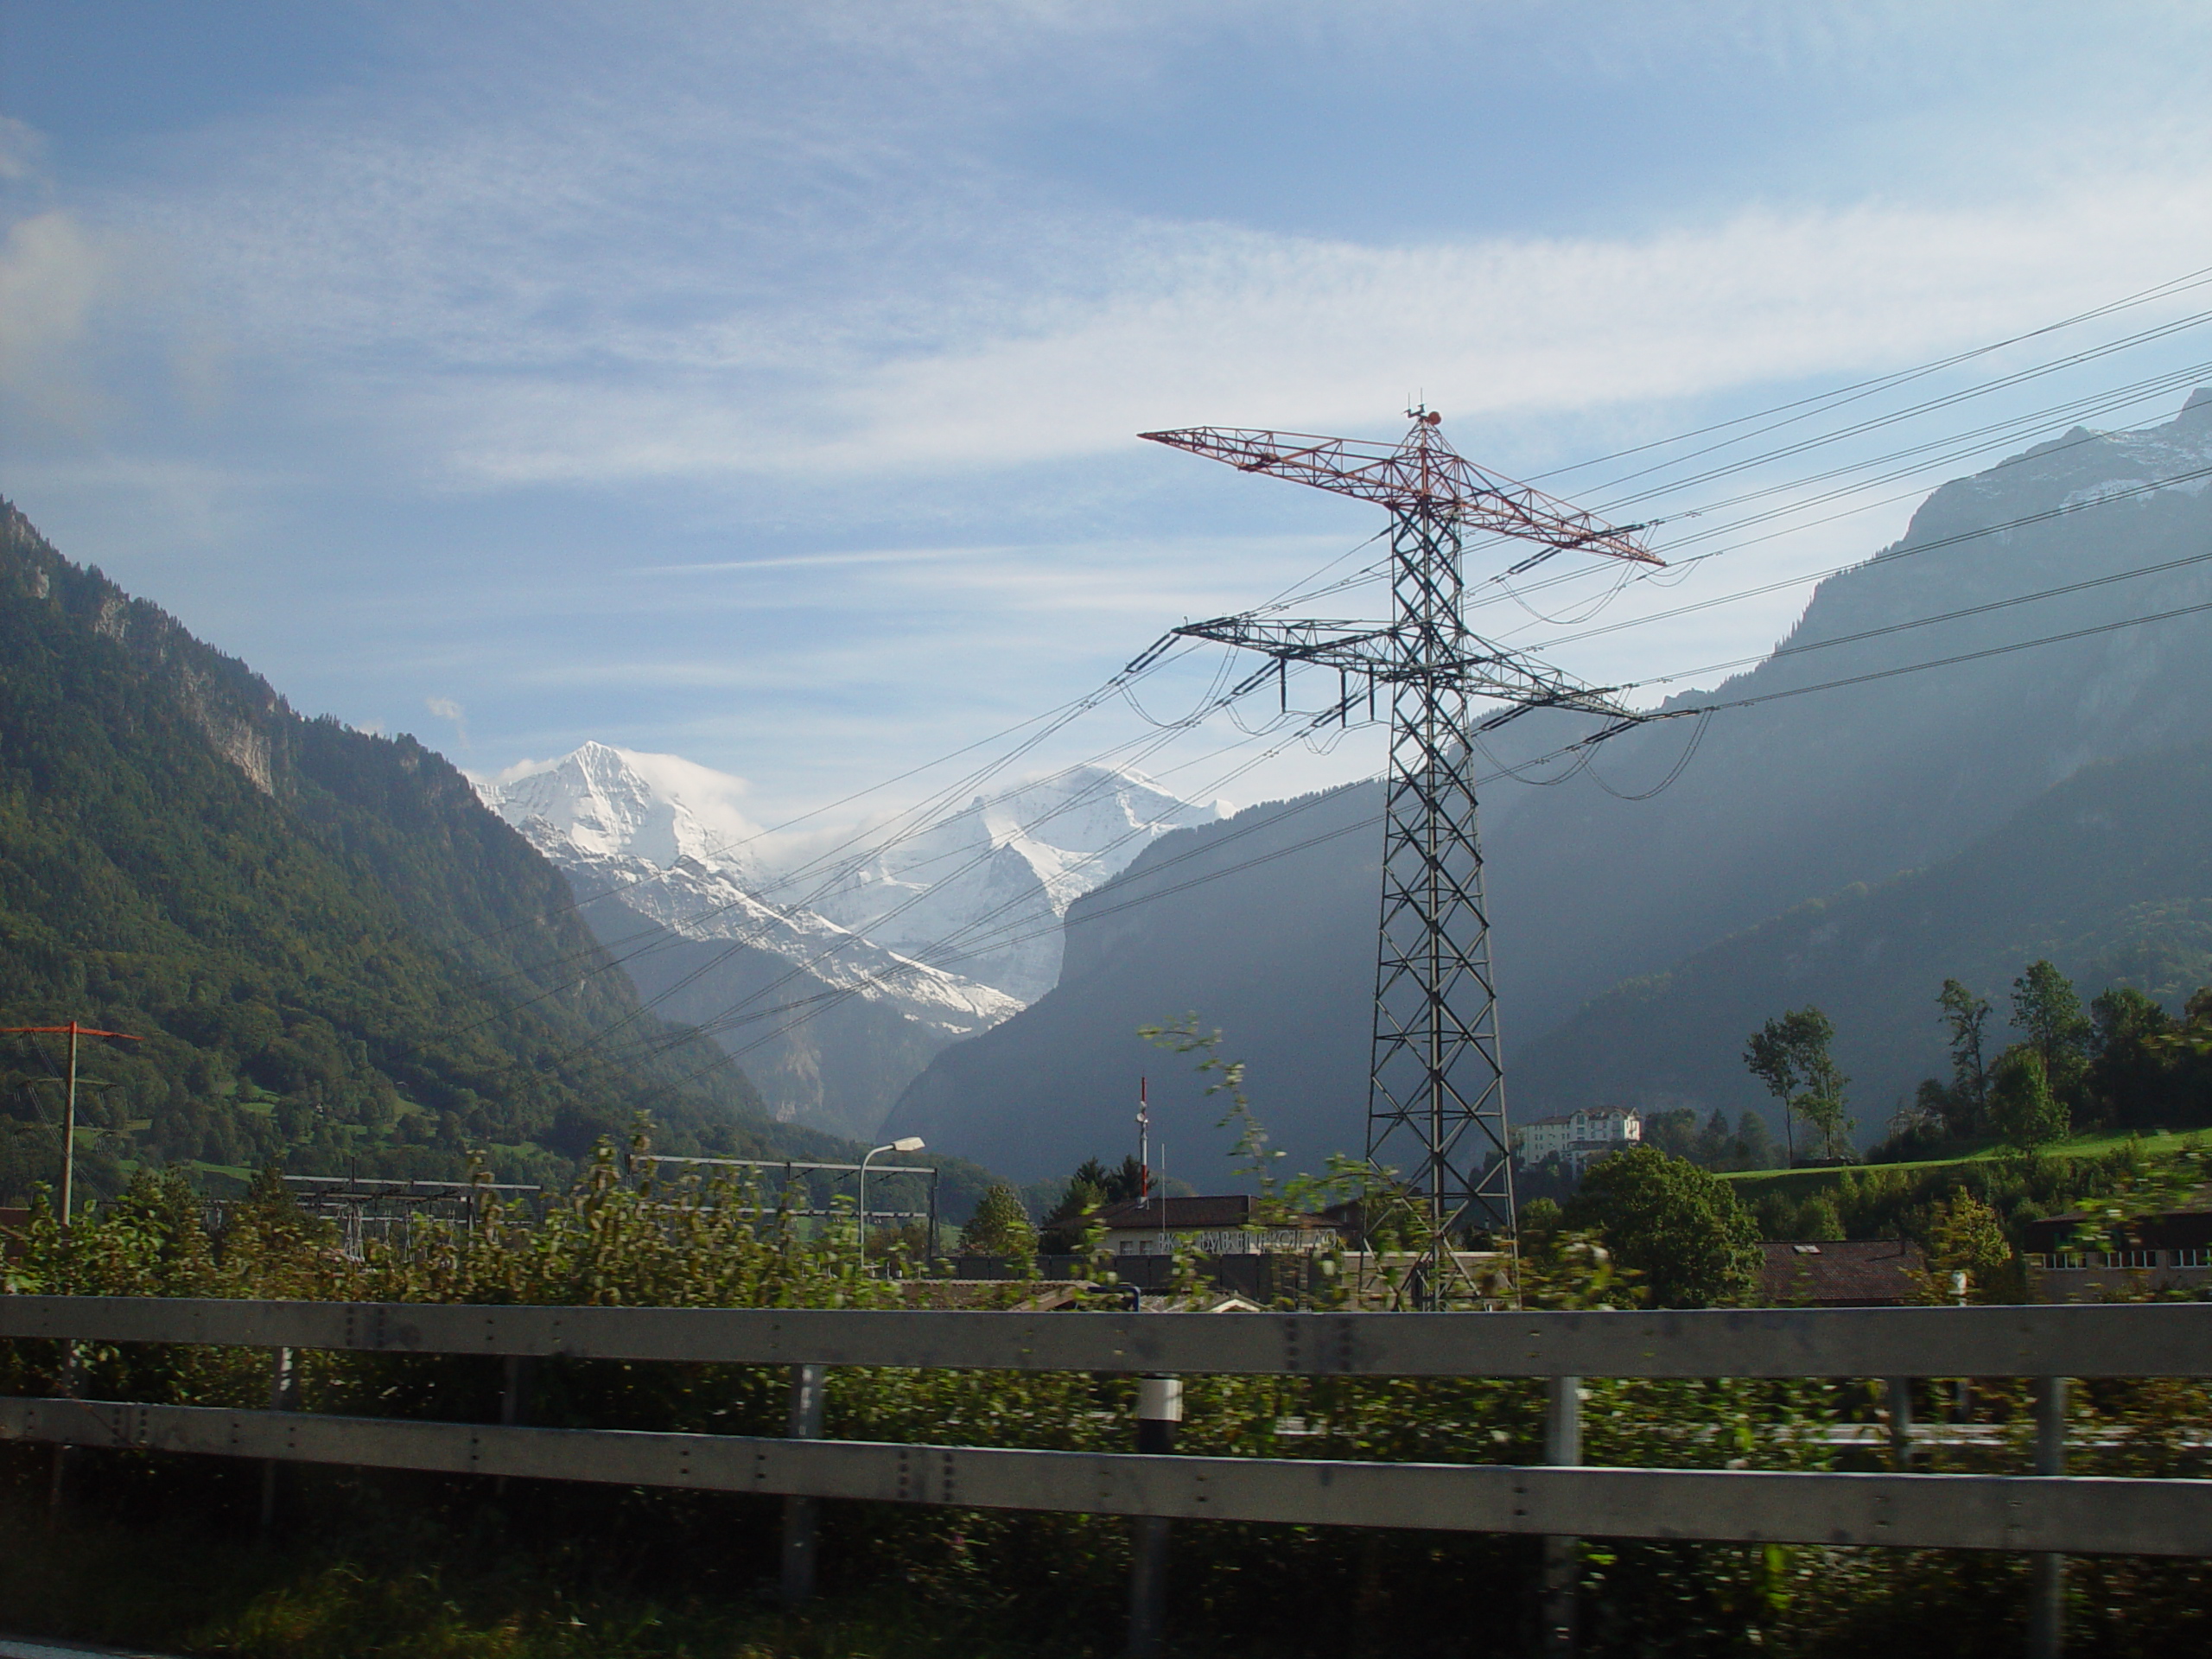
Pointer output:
514, 1402
802, 1516
1562, 1562
1900, 1403
514, 1391
2047, 1615
1159, 1409
57, 1491
283, 1389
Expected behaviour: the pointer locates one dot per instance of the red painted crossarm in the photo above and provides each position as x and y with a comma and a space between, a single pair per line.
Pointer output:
1422, 475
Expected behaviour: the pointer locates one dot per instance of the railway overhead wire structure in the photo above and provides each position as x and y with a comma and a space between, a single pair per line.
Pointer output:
1436, 1092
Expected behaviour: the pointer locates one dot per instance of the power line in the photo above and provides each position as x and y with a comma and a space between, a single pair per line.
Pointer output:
1898, 553
1929, 621
1867, 388
1944, 662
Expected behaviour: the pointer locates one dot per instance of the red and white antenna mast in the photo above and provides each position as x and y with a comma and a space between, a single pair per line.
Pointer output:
1144, 1143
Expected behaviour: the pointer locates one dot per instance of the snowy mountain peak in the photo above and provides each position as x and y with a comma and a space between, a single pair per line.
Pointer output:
978, 894
2082, 468
604, 801
983, 891
1075, 828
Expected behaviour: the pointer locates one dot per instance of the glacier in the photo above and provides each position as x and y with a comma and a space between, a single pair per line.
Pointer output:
833, 986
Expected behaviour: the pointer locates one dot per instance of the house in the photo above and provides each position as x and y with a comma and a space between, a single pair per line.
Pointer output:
1577, 1137
1842, 1273
1219, 1225
2168, 1249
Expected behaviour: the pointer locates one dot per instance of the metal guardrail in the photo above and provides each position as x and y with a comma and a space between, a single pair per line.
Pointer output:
2048, 1513
2155, 1339
2075, 1515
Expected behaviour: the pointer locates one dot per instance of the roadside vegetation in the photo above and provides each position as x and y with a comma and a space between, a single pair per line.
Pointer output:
165, 1552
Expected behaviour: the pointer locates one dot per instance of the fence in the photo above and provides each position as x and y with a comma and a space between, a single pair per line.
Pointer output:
2048, 1514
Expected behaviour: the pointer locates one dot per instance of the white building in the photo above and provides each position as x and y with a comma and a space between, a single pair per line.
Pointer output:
1220, 1225
1575, 1138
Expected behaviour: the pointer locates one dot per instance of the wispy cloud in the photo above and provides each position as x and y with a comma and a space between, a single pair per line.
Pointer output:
54, 277
447, 709
837, 322
725, 250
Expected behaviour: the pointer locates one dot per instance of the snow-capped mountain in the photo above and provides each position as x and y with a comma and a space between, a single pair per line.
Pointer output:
983, 892
602, 802
833, 987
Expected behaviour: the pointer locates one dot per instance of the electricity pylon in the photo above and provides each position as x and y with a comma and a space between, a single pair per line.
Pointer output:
1436, 1091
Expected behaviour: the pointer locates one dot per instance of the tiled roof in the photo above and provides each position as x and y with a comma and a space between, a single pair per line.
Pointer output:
1856, 1273
1187, 1215
2184, 1225
1228, 1210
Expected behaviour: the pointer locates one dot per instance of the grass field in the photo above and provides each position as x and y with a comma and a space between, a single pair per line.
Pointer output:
1798, 1185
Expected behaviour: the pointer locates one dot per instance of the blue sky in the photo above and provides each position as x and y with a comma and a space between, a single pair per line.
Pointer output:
758, 383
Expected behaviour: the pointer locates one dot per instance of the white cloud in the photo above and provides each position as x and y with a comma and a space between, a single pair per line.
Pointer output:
54, 275
1213, 325
447, 709
719, 249
22, 150
1268, 331
755, 300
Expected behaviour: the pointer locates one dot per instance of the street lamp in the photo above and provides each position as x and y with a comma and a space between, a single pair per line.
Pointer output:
910, 1143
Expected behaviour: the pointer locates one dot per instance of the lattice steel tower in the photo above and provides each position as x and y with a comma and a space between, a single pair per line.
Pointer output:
1436, 1095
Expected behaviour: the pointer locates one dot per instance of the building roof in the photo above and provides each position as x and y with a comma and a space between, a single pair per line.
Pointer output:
2184, 1225
1854, 1272
1185, 1215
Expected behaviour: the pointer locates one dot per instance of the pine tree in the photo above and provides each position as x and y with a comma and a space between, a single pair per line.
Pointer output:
1000, 1226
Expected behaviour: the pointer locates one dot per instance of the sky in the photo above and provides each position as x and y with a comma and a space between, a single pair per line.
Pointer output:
761, 384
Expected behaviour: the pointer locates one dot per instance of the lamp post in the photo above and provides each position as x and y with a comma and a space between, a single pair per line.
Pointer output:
910, 1143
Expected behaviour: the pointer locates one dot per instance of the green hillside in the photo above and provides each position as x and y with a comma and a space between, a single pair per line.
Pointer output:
2108, 875
337, 956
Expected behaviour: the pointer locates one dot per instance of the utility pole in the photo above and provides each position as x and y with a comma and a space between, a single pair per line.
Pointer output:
72, 1031
1436, 1089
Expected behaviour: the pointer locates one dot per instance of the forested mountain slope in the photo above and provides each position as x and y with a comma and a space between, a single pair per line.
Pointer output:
2108, 875
1797, 798
336, 954
1257, 925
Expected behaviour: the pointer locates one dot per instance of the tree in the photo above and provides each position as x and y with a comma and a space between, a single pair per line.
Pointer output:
1818, 1220
1790, 1056
1674, 1132
1754, 1146
1065, 1229
1000, 1226
1716, 1148
1126, 1181
1965, 1235
1538, 1220
1773, 1061
1930, 1117
2129, 1074
2048, 1011
1679, 1226
1964, 1015
2024, 1109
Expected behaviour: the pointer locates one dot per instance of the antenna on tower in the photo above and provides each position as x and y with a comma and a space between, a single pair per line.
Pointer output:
1144, 1143
1436, 1087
